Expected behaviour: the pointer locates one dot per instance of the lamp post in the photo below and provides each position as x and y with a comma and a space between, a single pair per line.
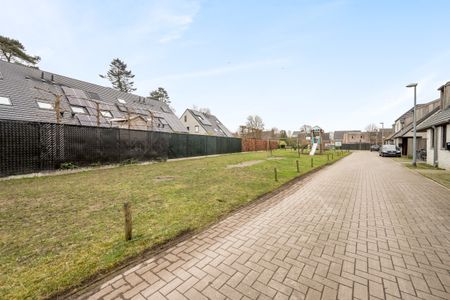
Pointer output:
382, 132
414, 85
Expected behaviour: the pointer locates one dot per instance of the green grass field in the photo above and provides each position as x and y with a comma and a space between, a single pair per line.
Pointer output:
56, 231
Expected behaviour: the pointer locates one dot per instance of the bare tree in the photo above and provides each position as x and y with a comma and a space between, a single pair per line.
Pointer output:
372, 130
255, 126
204, 110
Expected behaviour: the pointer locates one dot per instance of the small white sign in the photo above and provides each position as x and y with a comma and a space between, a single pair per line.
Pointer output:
337, 144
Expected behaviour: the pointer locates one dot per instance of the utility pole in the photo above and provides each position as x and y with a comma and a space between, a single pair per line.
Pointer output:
382, 133
414, 161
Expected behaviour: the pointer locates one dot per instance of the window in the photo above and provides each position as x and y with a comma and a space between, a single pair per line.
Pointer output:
187, 128
444, 136
106, 113
122, 101
5, 101
185, 118
196, 128
45, 105
78, 109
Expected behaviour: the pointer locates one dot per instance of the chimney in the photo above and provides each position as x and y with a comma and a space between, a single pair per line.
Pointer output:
42, 75
445, 95
53, 78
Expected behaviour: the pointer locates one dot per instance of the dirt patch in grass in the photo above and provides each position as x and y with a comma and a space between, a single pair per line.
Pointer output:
244, 164
275, 158
164, 178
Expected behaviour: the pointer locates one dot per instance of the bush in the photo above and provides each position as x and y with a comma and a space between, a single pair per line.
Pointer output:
68, 166
130, 161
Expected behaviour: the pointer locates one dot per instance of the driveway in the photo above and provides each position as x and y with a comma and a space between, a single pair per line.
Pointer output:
365, 227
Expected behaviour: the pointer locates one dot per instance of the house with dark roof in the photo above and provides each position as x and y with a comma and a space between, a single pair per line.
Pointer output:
197, 122
437, 130
30, 94
403, 127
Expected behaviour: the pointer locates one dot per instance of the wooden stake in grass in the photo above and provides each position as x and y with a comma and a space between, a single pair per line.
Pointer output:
328, 157
312, 162
276, 173
128, 221
332, 156
298, 166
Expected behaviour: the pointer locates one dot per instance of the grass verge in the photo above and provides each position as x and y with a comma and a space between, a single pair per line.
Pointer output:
56, 231
439, 175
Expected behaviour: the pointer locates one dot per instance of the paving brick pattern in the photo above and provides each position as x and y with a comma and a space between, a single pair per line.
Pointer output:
363, 228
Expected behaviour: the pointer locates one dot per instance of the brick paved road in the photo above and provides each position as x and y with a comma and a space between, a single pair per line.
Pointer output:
363, 228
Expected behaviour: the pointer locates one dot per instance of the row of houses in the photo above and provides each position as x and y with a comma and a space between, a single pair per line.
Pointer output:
30, 94
433, 129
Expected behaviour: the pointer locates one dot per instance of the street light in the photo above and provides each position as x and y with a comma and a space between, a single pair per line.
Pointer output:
414, 85
382, 132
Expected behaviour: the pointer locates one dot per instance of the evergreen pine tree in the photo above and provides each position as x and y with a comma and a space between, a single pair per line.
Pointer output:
160, 94
12, 50
119, 76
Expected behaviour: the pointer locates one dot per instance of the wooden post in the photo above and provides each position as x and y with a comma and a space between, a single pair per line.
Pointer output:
270, 146
98, 113
58, 108
276, 173
332, 156
312, 162
129, 118
128, 221
328, 157
298, 166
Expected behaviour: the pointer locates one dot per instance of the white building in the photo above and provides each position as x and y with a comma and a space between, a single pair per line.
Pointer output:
203, 123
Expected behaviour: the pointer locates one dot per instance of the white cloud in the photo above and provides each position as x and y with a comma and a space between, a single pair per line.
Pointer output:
222, 70
166, 21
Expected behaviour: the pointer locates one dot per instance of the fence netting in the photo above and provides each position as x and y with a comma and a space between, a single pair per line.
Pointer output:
27, 147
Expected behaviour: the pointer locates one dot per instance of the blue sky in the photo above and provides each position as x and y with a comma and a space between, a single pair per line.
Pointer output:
339, 64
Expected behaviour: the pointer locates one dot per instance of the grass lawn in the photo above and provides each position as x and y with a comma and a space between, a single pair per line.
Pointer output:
439, 175
56, 231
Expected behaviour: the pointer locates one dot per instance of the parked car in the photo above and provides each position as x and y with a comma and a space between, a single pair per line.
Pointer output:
390, 150
374, 148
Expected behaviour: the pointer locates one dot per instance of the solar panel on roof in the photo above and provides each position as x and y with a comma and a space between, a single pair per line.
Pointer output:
205, 122
92, 112
93, 95
86, 120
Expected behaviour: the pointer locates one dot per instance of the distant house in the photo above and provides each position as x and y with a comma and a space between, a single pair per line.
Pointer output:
403, 127
196, 122
338, 135
356, 137
30, 94
437, 129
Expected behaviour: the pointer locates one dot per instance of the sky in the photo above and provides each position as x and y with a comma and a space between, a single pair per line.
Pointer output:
338, 64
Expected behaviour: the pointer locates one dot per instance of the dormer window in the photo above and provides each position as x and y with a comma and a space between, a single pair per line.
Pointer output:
121, 101
45, 105
5, 101
106, 113
78, 109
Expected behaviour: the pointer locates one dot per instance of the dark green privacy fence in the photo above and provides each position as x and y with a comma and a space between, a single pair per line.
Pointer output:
27, 147
361, 146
